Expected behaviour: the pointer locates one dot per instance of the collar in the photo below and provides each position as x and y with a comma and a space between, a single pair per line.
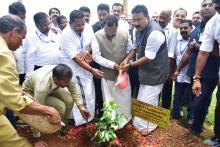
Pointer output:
2, 41
53, 84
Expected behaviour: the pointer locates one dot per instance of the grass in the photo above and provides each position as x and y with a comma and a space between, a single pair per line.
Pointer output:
209, 121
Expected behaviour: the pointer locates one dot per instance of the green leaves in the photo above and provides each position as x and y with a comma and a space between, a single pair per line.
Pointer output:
108, 123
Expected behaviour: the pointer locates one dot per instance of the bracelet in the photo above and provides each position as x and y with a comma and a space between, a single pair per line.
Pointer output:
196, 77
196, 80
90, 69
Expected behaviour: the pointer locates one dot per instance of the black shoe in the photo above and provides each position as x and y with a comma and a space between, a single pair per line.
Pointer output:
195, 133
63, 131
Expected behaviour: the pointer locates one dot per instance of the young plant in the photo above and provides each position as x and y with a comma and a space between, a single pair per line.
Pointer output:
108, 123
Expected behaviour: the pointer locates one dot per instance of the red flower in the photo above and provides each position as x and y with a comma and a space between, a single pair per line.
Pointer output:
116, 142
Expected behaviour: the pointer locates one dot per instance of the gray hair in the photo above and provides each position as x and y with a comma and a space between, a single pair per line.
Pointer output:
9, 22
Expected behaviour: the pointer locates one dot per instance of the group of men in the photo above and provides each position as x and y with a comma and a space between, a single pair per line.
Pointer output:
73, 66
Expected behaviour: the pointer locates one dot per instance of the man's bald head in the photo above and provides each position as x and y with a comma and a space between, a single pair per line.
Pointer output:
165, 17
167, 12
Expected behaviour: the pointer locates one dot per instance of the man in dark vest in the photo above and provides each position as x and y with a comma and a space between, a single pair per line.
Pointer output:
152, 62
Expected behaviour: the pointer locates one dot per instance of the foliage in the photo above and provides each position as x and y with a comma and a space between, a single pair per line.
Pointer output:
107, 124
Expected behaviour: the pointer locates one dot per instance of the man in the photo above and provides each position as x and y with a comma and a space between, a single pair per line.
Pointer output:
62, 22
178, 15
171, 37
42, 46
47, 86
196, 18
86, 13
209, 74
155, 17
79, 37
54, 13
18, 9
152, 62
115, 44
183, 86
117, 10
211, 34
12, 32
103, 12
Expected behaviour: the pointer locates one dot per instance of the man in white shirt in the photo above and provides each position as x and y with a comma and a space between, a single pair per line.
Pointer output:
152, 62
19, 10
43, 46
115, 44
211, 34
117, 10
79, 37
183, 83
171, 37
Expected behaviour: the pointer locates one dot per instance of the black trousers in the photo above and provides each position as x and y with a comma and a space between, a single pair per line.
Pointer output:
98, 91
217, 115
202, 103
167, 94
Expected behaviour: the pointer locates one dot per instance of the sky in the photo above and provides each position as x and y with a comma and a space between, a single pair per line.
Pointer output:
66, 6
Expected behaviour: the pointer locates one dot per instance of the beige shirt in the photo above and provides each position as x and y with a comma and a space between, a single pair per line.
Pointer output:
10, 95
41, 84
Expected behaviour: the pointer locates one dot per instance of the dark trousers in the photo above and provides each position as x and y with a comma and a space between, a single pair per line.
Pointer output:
37, 67
167, 94
134, 80
217, 115
98, 91
183, 94
202, 103
21, 78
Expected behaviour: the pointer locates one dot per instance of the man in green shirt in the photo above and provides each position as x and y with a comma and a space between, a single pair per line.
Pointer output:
51, 85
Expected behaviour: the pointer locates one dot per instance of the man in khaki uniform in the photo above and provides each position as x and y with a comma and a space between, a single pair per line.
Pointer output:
47, 86
12, 31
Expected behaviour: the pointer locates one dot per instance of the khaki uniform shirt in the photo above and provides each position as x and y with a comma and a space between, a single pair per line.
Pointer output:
41, 84
10, 93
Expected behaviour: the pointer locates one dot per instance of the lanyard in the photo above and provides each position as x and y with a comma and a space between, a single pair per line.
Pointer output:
81, 41
44, 40
180, 46
141, 37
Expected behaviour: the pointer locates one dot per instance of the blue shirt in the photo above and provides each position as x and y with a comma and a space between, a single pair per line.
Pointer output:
211, 68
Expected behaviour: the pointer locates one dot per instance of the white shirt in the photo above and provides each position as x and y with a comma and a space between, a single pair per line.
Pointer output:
211, 34
96, 53
41, 50
72, 44
154, 41
180, 49
20, 59
171, 37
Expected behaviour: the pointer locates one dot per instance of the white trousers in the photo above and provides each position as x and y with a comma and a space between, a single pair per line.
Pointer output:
122, 97
150, 95
84, 86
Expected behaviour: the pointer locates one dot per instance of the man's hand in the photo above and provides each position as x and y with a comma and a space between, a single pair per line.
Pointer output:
175, 74
85, 56
125, 67
196, 88
124, 62
97, 73
53, 116
116, 66
85, 113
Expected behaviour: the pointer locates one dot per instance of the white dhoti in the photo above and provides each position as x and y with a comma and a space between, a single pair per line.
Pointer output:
85, 87
150, 95
119, 96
